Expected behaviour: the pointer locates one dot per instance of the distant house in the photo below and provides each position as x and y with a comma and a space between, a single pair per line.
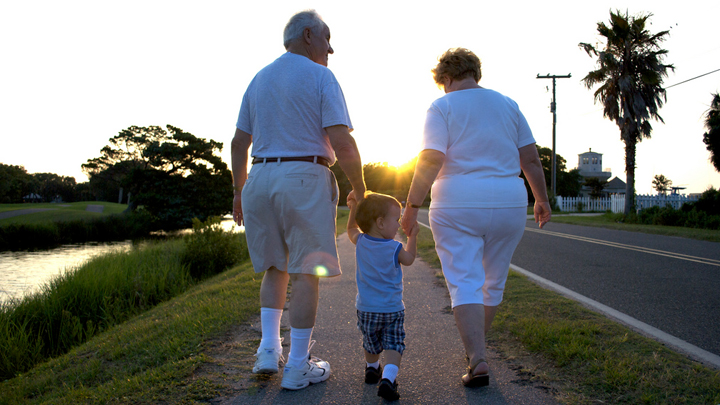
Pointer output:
590, 166
32, 198
614, 186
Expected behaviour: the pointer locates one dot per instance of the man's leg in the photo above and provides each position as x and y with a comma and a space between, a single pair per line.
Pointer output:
273, 292
303, 309
301, 370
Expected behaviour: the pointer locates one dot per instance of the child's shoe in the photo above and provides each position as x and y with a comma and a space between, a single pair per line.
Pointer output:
388, 390
372, 374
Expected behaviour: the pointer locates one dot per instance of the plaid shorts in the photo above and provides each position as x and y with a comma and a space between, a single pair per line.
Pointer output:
382, 331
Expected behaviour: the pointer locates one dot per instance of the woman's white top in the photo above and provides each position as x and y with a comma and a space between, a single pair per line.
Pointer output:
480, 132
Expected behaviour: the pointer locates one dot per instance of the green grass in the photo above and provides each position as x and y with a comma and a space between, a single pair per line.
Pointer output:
609, 221
558, 341
149, 359
58, 212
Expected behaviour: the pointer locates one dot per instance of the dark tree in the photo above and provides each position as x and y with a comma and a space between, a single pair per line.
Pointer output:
630, 73
15, 183
596, 186
53, 187
173, 174
661, 184
712, 136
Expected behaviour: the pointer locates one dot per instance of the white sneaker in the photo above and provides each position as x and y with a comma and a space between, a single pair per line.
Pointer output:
267, 361
312, 371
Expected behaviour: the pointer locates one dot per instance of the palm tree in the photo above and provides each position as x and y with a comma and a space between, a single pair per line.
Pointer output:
712, 136
661, 184
630, 73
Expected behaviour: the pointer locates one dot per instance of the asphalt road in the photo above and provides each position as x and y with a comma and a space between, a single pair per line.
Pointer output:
670, 283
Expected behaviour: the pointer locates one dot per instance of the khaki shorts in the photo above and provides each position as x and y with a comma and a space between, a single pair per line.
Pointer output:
290, 211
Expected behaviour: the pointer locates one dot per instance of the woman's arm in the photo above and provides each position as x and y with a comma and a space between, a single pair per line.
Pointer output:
428, 166
532, 167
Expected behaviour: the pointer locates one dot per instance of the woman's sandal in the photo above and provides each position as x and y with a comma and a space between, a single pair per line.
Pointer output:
476, 380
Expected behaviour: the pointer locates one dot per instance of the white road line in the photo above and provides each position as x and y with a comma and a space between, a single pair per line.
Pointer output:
680, 256
693, 351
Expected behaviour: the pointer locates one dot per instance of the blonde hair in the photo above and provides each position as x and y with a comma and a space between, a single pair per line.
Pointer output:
372, 207
457, 64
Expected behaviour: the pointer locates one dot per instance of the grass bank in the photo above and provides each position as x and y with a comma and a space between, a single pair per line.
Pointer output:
108, 290
58, 212
70, 223
588, 357
610, 221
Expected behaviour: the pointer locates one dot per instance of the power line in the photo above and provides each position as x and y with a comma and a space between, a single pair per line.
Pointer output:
716, 70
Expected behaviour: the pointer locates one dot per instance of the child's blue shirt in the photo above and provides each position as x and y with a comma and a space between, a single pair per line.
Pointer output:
378, 275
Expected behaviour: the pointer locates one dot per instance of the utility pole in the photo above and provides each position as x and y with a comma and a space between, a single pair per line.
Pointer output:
552, 110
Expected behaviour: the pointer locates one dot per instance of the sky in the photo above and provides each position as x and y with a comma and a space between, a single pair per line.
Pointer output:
73, 74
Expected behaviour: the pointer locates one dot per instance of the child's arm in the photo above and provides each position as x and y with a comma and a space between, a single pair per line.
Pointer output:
407, 255
352, 227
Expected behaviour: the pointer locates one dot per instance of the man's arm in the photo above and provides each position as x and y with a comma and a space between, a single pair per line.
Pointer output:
239, 153
353, 231
532, 167
348, 157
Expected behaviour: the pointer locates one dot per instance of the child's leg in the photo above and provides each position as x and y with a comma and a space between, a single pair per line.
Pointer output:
392, 365
371, 359
394, 344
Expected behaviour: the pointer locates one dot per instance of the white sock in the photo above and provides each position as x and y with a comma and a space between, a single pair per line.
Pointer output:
299, 346
390, 372
270, 324
375, 365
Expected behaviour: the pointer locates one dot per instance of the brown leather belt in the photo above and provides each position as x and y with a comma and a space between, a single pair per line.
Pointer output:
312, 159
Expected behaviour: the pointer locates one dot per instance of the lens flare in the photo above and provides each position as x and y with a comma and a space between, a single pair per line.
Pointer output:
321, 270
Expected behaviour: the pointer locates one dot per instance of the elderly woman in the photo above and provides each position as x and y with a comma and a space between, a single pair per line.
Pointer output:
474, 145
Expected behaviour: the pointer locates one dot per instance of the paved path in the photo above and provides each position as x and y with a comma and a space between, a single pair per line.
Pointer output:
95, 208
16, 213
432, 364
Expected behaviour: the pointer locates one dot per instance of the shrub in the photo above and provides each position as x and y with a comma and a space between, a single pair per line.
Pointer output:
209, 250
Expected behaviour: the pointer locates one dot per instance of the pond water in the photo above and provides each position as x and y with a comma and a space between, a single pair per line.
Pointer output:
24, 273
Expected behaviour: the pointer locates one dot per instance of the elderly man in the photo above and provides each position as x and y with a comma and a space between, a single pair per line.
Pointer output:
294, 115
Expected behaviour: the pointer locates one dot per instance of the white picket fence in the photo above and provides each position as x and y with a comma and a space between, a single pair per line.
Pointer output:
616, 203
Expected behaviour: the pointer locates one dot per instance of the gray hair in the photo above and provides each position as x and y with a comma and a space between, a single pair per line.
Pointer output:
297, 24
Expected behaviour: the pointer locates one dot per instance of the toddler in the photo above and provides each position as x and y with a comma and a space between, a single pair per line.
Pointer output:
380, 309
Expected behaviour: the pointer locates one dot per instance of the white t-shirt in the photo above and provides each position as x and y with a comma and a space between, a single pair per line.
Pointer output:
287, 106
480, 132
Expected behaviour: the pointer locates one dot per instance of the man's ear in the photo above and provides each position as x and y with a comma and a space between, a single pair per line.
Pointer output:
307, 32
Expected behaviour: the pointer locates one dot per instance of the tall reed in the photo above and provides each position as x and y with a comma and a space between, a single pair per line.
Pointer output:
106, 291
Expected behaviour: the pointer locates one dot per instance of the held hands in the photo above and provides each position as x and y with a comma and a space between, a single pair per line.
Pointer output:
413, 231
409, 220
353, 200
542, 213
